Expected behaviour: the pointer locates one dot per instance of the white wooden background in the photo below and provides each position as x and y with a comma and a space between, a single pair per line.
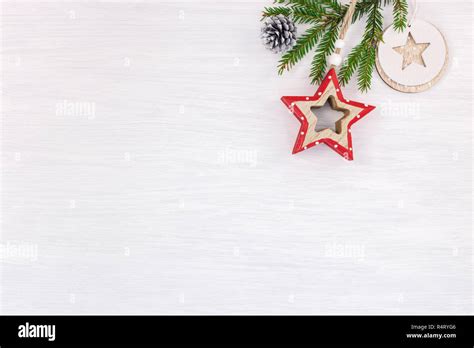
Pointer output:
146, 168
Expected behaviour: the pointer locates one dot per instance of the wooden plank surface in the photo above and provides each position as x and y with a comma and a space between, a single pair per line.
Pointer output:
147, 168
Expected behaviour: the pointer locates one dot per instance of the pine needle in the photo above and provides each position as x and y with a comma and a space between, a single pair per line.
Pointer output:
400, 13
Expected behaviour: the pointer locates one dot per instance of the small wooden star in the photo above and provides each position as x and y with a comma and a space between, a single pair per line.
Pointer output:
339, 140
412, 52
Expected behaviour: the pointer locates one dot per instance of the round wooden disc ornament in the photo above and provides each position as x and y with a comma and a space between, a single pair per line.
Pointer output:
413, 60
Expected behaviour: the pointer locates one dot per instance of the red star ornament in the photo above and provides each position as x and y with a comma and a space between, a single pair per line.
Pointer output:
339, 140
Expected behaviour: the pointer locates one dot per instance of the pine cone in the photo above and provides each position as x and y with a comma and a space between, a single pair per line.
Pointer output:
278, 33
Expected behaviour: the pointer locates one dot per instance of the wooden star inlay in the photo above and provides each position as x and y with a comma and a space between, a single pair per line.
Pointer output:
339, 140
412, 52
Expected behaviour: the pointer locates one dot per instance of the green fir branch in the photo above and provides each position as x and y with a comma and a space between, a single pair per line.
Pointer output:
303, 45
275, 11
324, 18
361, 9
301, 15
333, 4
366, 68
314, 5
400, 13
372, 35
351, 64
374, 23
325, 48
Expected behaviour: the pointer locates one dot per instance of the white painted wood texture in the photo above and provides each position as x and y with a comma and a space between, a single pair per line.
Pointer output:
147, 168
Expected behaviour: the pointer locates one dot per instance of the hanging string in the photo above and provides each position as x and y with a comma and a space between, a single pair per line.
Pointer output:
346, 23
415, 11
